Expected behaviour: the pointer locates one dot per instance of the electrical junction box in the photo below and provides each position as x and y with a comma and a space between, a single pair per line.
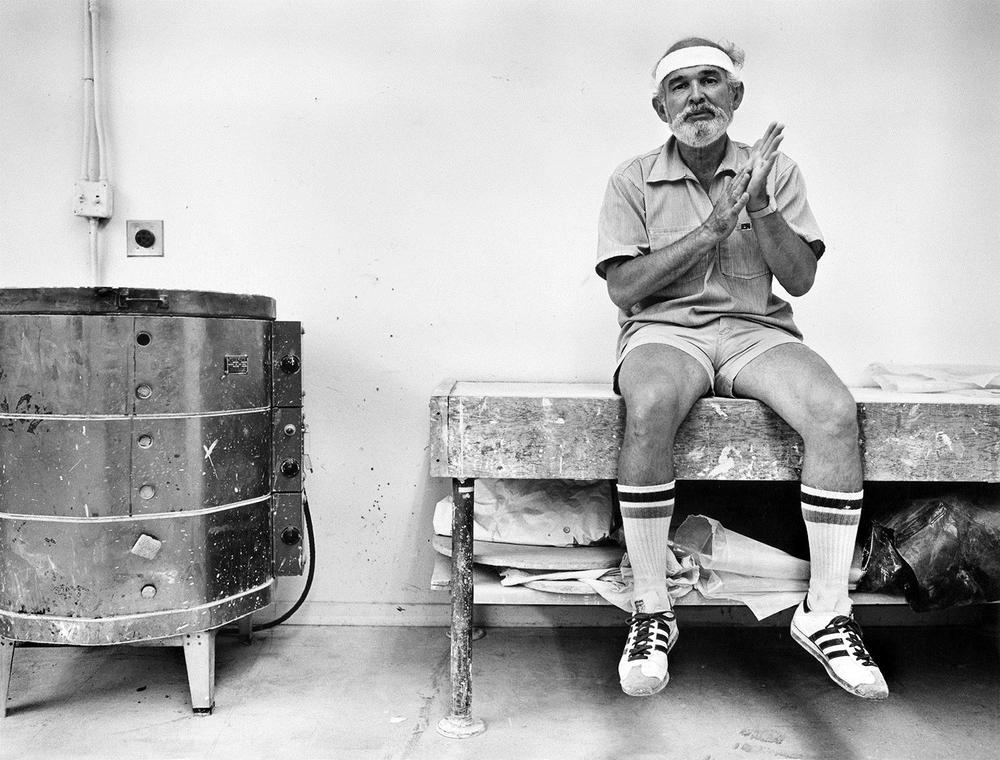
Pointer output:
93, 199
144, 237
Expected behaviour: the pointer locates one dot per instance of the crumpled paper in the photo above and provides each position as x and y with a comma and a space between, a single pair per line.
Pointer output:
613, 583
706, 557
536, 512
742, 569
976, 379
717, 548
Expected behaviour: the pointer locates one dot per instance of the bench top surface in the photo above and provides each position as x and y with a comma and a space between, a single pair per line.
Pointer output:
574, 431
494, 389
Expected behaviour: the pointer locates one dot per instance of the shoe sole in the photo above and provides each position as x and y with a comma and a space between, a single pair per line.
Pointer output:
675, 634
806, 643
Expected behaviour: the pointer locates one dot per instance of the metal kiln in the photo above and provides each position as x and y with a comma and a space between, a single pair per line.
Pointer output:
150, 464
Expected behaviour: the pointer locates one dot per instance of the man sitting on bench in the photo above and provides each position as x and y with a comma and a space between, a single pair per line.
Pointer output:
690, 236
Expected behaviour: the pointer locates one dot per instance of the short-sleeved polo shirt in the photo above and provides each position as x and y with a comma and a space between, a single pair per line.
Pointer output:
654, 200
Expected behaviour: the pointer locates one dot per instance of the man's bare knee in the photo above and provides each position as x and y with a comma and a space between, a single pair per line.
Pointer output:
653, 411
832, 416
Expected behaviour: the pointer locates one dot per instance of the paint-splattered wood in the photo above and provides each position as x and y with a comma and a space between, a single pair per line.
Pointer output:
439, 423
573, 431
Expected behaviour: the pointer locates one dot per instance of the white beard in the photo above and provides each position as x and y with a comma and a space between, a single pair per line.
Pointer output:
698, 134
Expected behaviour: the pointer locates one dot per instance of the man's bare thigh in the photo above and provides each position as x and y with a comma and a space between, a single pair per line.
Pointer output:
787, 378
656, 368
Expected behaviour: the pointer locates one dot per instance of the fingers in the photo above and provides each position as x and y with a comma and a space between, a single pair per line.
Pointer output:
772, 147
766, 166
742, 176
739, 183
741, 202
769, 133
742, 180
772, 139
734, 196
765, 148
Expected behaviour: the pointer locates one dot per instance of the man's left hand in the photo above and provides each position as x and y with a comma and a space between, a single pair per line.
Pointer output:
761, 160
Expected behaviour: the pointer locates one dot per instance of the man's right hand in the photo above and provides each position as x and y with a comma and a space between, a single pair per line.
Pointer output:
726, 211
631, 281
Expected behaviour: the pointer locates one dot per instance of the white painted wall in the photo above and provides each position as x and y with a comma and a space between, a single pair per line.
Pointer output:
419, 184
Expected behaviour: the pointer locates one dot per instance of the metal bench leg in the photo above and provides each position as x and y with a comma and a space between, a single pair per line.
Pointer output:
199, 656
6, 666
460, 724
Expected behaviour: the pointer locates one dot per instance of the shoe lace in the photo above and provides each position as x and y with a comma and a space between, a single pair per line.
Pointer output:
643, 633
851, 631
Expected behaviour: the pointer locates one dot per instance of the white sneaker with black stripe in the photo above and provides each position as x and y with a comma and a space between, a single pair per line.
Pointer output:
642, 668
835, 641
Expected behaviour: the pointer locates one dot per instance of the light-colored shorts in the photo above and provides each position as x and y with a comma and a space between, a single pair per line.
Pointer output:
722, 347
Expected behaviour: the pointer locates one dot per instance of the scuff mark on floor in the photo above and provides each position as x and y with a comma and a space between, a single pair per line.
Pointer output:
441, 675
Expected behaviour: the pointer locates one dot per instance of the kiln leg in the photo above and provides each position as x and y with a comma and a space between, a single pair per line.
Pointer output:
199, 656
460, 724
6, 666
245, 625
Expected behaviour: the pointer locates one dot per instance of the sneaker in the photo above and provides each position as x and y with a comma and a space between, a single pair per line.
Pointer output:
642, 668
835, 640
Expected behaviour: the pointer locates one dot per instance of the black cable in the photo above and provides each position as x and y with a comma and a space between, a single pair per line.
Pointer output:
309, 574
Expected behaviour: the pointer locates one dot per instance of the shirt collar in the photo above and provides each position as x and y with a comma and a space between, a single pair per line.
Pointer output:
669, 166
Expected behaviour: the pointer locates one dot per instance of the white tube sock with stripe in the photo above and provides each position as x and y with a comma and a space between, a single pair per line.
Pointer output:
646, 513
832, 519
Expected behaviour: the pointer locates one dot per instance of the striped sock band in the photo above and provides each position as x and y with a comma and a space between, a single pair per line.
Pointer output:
646, 513
832, 519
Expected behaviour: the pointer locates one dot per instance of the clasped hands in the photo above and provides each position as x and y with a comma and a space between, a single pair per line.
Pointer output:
748, 187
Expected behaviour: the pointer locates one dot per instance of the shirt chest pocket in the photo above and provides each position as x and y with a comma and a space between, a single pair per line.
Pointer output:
739, 254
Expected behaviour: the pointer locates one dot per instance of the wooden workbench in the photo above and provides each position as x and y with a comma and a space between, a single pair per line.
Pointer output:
574, 430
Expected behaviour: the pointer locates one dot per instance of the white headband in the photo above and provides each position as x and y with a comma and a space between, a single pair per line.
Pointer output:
702, 55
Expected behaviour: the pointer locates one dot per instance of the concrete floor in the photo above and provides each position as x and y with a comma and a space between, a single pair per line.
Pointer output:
351, 692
